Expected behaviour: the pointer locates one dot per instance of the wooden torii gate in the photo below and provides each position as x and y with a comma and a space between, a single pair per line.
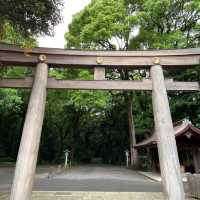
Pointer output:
43, 58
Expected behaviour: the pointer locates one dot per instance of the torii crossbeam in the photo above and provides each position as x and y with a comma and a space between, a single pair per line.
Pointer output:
43, 58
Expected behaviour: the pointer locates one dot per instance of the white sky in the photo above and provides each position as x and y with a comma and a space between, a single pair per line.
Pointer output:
71, 7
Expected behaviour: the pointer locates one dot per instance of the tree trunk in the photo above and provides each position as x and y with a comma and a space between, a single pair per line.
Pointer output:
132, 137
1, 31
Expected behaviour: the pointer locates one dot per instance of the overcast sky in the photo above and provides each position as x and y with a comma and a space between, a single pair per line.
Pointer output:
70, 8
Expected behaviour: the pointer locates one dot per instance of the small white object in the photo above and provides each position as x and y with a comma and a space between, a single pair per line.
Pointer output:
187, 121
188, 135
127, 158
66, 157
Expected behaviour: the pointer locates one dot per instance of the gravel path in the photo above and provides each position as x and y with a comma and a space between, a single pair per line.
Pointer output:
87, 178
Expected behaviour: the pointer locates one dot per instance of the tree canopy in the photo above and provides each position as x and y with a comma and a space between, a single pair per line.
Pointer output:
31, 17
136, 25
142, 25
102, 24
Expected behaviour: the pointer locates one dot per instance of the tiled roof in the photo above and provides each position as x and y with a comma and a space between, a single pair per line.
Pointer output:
180, 128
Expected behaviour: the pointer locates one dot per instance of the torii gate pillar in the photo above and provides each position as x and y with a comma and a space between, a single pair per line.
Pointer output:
28, 151
168, 155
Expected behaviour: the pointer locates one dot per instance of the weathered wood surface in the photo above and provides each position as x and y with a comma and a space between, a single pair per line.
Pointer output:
15, 56
99, 73
196, 160
194, 185
100, 85
168, 155
28, 151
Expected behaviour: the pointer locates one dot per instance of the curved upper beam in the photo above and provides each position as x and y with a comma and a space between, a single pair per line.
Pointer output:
15, 56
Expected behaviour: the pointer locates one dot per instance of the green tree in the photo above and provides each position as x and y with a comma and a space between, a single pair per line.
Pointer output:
12, 114
30, 17
91, 124
127, 25
170, 24
167, 24
20, 22
106, 24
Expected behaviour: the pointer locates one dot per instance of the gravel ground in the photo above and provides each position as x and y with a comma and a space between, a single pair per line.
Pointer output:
86, 178
87, 182
91, 196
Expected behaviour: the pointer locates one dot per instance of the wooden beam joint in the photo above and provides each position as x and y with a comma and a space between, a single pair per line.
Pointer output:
42, 58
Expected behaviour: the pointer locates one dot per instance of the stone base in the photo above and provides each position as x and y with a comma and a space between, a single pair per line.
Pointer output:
91, 196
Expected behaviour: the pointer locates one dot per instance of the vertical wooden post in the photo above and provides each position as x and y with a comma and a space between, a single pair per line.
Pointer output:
99, 73
168, 155
28, 151
196, 160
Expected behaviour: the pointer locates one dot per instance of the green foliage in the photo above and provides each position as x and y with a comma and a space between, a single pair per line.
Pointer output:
167, 24
94, 123
99, 24
10, 35
31, 17
11, 120
132, 25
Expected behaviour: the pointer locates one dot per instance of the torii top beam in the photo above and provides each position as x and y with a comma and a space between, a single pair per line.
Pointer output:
172, 59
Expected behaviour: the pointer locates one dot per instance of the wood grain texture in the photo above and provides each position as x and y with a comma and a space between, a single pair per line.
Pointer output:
15, 56
168, 155
100, 85
28, 151
99, 73
57, 51
196, 160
